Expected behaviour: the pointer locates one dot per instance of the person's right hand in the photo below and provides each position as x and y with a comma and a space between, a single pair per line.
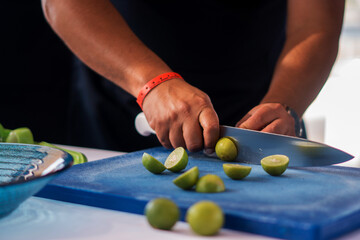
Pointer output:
182, 116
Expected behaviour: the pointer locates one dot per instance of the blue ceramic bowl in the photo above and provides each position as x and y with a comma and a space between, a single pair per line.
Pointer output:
25, 169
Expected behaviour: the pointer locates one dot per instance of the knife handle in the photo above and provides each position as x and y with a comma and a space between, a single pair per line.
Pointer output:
142, 126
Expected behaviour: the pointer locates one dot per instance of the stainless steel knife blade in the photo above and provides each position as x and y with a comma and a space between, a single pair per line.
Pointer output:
253, 146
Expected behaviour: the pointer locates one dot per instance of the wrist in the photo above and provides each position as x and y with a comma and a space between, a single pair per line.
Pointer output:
153, 83
299, 129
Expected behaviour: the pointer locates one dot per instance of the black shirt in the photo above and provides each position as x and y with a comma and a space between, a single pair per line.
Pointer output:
228, 49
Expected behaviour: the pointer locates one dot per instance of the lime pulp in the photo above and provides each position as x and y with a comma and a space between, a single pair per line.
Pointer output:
177, 160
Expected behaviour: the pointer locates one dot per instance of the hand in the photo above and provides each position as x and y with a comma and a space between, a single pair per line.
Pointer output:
269, 117
182, 116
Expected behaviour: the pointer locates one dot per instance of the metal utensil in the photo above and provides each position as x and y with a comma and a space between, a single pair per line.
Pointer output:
254, 145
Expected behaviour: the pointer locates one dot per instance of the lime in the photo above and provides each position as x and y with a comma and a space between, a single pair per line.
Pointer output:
177, 160
20, 135
275, 165
226, 149
78, 157
210, 183
6, 133
188, 179
2, 133
236, 171
162, 213
152, 164
310, 148
205, 218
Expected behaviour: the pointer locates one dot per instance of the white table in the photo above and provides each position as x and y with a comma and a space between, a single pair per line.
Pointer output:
40, 218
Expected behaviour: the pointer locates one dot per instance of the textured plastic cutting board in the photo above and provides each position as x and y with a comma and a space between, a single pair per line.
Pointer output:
304, 203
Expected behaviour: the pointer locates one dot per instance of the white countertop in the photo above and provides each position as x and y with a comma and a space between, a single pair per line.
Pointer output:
40, 218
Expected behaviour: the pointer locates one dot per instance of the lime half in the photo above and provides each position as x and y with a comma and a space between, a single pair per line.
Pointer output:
20, 135
162, 213
188, 179
226, 149
152, 164
177, 160
275, 165
236, 171
210, 183
205, 218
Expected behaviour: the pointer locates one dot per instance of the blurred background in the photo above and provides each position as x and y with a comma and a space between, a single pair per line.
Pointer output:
334, 116
36, 72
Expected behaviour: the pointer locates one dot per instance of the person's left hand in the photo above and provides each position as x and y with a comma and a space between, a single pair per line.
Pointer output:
270, 118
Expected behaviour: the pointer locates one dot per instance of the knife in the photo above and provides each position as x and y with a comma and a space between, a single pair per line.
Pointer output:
254, 145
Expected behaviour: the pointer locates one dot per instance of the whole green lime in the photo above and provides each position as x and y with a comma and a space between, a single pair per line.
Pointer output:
162, 213
205, 218
226, 149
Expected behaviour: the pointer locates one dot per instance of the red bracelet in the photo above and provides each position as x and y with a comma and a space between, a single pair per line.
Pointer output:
153, 83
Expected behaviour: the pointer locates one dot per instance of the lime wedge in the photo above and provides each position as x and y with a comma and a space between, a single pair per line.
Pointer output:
20, 135
6, 133
2, 133
210, 183
152, 164
177, 160
236, 171
162, 213
275, 165
205, 218
188, 179
78, 157
226, 149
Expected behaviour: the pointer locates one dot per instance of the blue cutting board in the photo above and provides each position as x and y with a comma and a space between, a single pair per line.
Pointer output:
303, 203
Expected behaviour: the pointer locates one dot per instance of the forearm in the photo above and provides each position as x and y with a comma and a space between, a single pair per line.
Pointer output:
313, 30
302, 70
96, 32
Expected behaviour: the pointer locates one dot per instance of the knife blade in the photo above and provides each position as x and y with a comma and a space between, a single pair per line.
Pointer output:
254, 145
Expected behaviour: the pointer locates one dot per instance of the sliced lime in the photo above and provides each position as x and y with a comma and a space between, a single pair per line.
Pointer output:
188, 179
78, 157
152, 164
236, 171
162, 213
2, 133
210, 183
275, 165
177, 160
205, 218
20, 135
310, 148
226, 149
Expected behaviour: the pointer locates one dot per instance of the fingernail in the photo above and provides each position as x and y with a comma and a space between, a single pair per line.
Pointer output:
209, 151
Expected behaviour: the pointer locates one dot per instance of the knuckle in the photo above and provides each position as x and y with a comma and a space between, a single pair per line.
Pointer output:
184, 108
278, 107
